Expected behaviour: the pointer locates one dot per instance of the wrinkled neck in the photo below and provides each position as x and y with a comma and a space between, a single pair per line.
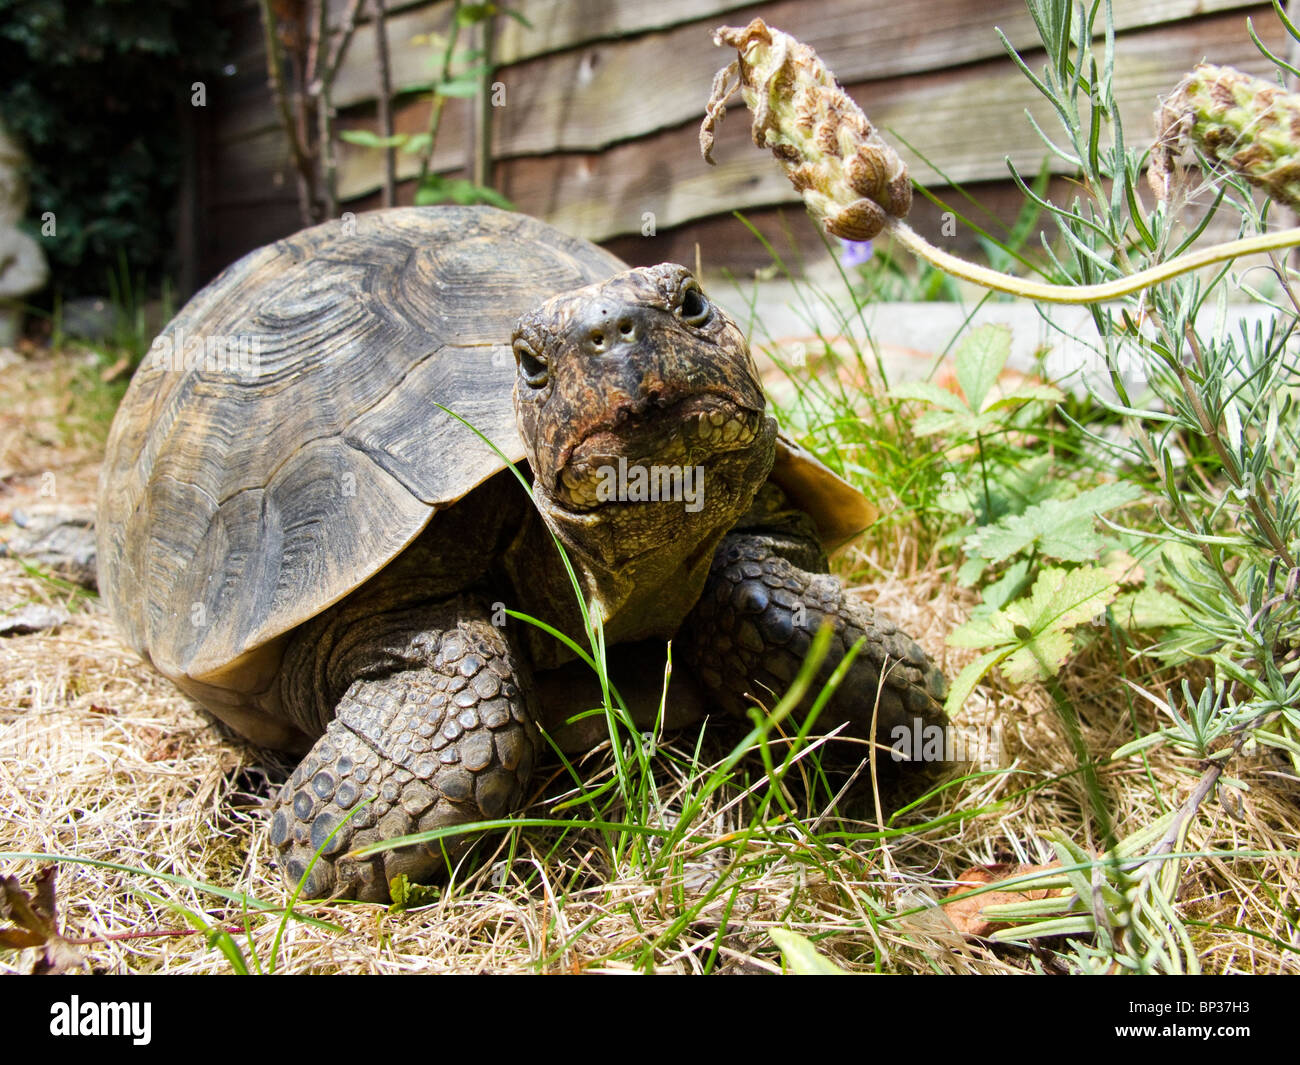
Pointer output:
641, 561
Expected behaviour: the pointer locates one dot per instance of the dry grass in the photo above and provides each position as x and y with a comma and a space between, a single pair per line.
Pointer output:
101, 760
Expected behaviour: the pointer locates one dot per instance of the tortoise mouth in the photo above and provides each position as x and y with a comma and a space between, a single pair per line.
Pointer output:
653, 436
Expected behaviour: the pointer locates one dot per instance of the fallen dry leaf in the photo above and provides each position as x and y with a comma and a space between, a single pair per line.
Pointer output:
36, 924
967, 914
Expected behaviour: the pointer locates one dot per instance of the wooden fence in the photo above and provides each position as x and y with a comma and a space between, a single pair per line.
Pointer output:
602, 101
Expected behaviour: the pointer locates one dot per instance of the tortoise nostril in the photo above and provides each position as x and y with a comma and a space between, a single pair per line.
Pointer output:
626, 328
597, 338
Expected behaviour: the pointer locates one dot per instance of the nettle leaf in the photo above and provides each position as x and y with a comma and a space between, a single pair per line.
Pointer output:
1058, 528
939, 421
437, 188
971, 570
1040, 658
434, 188
1004, 589
1032, 637
988, 631
979, 358
1063, 598
952, 416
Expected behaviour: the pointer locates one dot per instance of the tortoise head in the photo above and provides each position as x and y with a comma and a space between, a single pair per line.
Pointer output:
637, 392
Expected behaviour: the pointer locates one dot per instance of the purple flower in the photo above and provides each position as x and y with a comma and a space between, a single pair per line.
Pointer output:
856, 252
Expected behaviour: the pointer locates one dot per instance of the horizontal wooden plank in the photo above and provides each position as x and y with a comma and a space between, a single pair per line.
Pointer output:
947, 116
726, 243
615, 89
965, 121
553, 27
558, 27
727, 247
594, 97
544, 120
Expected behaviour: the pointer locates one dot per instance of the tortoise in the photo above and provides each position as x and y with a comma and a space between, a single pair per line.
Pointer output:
309, 521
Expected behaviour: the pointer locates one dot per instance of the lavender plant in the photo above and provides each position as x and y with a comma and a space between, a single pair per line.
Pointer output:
1210, 425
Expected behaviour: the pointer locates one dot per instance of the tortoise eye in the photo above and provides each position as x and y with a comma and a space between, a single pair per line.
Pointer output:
695, 309
532, 366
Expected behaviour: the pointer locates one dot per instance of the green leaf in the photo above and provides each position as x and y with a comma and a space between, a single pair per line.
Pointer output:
468, 14
490, 195
971, 675
937, 421
800, 956
1005, 588
1139, 744
1058, 528
1063, 598
1027, 393
436, 188
1041, 657
406, 895
970, 570
367, 139
460, 89
417, 143
1149, 608
1232, 422
464, 84
929, 393
1031, 637
986, 631
979, 359
433, 189
1066, 926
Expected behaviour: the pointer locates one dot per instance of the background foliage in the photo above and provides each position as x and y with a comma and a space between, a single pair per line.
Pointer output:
96, 92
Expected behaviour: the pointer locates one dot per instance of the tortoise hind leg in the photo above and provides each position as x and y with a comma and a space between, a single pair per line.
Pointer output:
436, 732
756, 620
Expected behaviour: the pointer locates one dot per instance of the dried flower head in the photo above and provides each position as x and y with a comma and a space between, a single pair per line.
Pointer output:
1248, 123
851, 180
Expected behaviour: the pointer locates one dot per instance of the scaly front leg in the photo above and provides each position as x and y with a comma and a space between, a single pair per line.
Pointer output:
751, 630
435, 730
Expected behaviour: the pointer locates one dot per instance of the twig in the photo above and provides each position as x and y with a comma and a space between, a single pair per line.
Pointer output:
341, 45
385, 104
275, 79
113, 937
481, 170
321, 82
324, 71
435, 111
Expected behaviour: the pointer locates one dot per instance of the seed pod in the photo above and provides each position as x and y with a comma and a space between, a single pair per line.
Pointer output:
852, 181
1247, 123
